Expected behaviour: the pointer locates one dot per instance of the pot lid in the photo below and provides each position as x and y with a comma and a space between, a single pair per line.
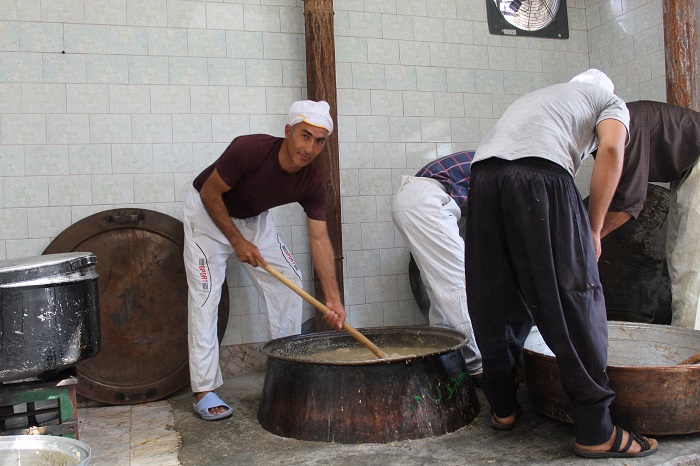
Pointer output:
19, 271
142, 305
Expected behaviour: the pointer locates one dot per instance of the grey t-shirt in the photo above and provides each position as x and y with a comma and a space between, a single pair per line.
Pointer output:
557, 123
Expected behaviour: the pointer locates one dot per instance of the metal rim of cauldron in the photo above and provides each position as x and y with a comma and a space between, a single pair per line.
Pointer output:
623, 369
269, 348
629, 368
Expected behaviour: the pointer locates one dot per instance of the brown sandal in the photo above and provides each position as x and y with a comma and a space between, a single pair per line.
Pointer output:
496, 425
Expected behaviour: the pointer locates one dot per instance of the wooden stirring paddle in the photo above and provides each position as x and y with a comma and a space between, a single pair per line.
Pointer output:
323, 308
694, 359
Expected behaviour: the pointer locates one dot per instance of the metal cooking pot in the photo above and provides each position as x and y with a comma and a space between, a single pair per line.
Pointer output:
653, 394
372, 401
43, 450
49, 317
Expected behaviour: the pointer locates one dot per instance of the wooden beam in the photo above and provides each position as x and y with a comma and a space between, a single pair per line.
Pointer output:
681, 46
321, 85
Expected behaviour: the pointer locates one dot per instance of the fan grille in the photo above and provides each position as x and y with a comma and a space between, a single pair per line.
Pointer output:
528, 15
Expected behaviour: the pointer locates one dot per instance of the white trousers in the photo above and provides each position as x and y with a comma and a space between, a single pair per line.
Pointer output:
205, 253
683, 249
426, 216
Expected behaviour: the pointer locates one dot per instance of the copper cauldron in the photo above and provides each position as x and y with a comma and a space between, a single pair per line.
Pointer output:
653, 394
369, 401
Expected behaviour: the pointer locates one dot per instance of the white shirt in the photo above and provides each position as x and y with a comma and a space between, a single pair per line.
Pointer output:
557, 123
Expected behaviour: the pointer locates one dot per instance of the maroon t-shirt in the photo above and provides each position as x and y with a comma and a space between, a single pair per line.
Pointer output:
250, 165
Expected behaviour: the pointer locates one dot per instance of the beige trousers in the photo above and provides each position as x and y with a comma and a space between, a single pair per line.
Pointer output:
683, 249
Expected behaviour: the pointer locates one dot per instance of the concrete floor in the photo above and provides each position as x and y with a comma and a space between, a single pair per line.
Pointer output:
537, 440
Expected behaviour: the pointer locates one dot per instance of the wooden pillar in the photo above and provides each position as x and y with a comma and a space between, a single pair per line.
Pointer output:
680, 40
320, 82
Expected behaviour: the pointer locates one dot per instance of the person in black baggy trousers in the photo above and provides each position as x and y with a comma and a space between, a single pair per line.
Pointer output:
531, 252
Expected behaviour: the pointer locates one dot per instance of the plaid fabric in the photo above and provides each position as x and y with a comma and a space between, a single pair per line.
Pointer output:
453, 171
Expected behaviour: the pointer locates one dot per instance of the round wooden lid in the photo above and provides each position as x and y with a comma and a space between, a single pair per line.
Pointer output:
142, 303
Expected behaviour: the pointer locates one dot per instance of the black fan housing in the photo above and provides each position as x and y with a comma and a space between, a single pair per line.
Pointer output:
536, 18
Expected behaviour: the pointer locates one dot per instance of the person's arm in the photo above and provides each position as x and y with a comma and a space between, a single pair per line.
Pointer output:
612, 135
212, 190
323, 258
613, 221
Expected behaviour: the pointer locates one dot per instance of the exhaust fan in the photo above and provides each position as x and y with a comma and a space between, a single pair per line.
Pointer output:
535, 18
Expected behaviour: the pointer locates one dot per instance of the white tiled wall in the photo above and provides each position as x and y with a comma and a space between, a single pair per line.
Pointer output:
149, 92
418, 80
626, 40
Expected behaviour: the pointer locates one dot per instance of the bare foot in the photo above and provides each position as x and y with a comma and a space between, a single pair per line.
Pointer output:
216, 410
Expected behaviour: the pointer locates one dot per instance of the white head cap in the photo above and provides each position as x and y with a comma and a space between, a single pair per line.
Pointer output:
596, 77
311, 112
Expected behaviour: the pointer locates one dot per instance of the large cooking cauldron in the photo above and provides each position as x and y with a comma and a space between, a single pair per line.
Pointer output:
372, 401
653, 394
632, 266
50, 318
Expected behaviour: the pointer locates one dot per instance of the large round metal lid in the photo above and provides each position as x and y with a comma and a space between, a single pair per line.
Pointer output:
142, 303
15, 272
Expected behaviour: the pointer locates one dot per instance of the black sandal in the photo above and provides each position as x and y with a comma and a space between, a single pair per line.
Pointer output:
649, 446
